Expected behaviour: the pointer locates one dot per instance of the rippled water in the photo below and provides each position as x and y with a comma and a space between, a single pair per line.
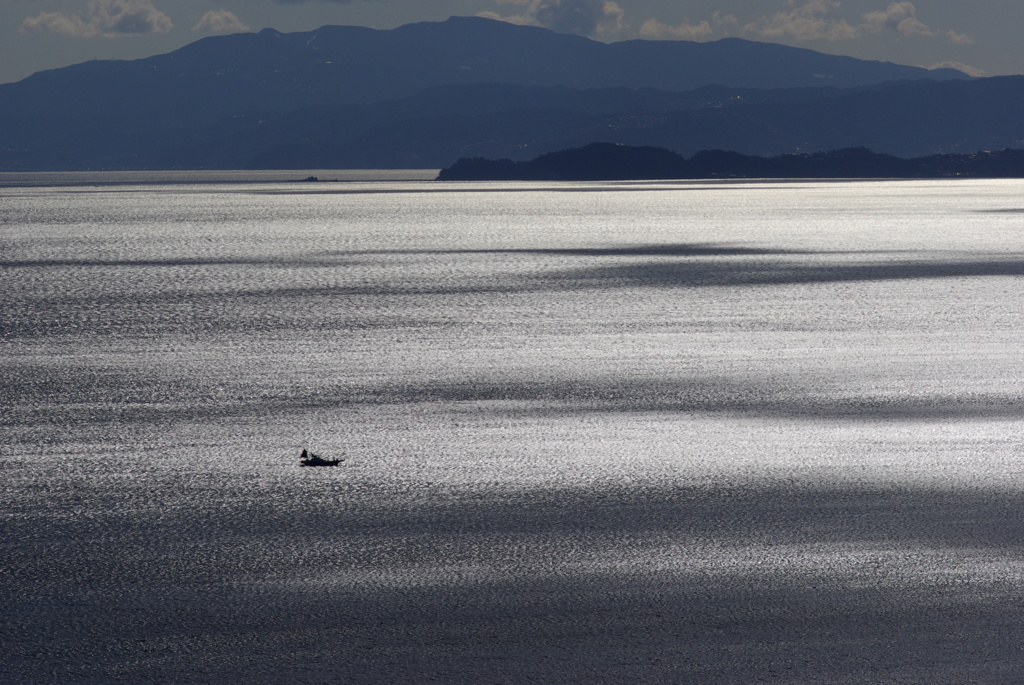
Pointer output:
672, 432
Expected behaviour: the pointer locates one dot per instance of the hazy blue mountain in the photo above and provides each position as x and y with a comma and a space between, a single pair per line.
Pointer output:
426, 94
440, 125
224, 75
610, 162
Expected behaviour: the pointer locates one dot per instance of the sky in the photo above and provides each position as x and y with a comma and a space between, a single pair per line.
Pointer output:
980, 37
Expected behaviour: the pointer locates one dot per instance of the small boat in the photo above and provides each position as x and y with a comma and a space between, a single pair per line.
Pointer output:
310, 459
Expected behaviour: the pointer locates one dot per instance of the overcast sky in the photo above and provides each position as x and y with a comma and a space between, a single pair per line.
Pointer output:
979, 36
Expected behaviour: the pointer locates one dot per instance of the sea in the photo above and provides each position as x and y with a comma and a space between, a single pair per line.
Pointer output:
648, 432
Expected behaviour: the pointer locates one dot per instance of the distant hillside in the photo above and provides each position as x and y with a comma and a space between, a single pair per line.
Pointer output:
606, 161
438, 126
270, 71
485, 121
421, 95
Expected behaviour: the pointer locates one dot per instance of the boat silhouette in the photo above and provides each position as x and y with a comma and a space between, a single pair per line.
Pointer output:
310, 459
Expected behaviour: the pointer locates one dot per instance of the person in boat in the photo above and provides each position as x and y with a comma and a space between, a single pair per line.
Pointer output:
309, 459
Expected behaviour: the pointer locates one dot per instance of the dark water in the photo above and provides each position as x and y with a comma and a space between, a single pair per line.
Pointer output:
605, 433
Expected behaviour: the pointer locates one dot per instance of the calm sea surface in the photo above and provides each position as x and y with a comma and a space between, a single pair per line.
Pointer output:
611, 432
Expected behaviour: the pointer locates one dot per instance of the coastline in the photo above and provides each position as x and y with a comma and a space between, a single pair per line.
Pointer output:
49, 179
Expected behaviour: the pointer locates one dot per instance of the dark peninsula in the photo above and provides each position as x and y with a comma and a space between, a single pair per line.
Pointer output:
612, 162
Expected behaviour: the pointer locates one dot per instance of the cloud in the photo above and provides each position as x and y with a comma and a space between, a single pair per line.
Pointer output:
652, 28
581, 17
220, 21
107, 18
958, 38
900, 17
702, 30
960, 66
807, 20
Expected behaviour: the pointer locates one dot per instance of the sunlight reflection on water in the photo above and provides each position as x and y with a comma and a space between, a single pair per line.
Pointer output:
758, 407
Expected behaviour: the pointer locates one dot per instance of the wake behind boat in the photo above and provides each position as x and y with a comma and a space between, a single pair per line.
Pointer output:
310, 459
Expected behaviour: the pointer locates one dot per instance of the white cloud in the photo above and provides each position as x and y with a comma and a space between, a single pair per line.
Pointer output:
652, 28
966, 68
958, 38
108, 18
900, 17
582, 17
220, 21
702, 30
806, 20
809, 21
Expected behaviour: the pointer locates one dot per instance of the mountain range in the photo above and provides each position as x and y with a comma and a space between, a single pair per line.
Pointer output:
611, 162
424, 95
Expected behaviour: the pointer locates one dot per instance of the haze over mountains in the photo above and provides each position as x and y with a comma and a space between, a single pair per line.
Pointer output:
425, 95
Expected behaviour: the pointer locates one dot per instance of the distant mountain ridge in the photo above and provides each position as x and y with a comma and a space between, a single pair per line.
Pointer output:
419, 95
610, 162
466, 121
224, 75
